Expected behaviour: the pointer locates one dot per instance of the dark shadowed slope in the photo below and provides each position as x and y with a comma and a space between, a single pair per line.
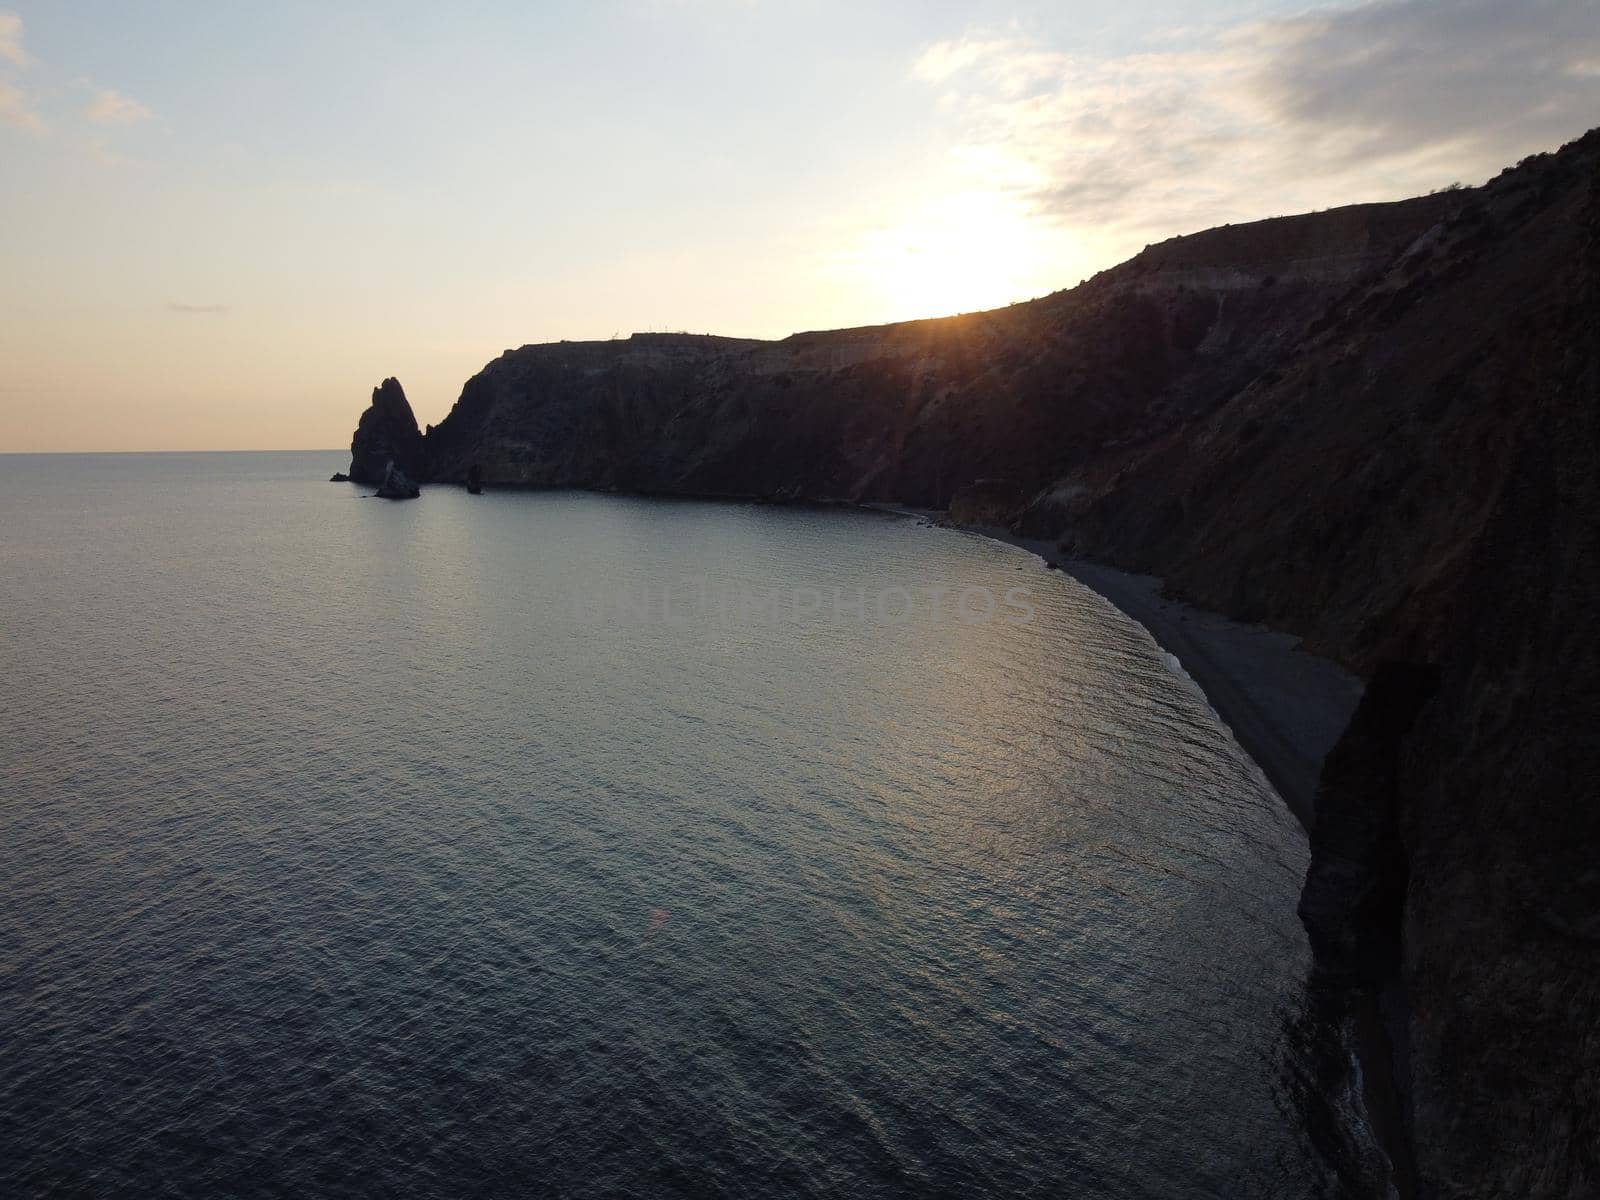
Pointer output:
1339, 494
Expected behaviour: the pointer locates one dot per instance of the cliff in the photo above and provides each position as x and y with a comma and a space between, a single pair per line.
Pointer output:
1454, 869
1501, 926
1375, 427
1339, 493
386, 436
915, 411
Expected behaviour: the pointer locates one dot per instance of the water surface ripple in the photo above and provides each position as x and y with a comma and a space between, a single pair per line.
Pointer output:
346, 854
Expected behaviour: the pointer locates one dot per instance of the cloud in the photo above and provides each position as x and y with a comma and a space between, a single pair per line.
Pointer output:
1340, 105
113, 108
11, 40
198, 309
1492, 76
942, 60
15, 111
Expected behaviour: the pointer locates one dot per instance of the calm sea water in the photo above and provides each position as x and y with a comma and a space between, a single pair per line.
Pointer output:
358, 848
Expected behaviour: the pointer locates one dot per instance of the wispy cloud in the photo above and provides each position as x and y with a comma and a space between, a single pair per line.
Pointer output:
1339, 105
942, 60
214, 310
16, 112
111, 107
11, 40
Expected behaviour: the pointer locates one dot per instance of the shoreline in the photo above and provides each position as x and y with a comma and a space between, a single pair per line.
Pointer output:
1285, 706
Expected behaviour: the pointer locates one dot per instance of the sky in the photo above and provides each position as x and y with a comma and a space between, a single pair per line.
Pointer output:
222, 225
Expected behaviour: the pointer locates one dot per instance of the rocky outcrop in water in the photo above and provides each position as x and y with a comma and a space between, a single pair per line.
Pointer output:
387, 433
397, 485
1376, 427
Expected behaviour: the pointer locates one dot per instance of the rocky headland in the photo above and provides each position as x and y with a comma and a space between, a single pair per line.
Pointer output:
387, 439
1375, 428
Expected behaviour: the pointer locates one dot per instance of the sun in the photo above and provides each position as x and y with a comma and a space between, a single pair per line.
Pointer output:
963, 252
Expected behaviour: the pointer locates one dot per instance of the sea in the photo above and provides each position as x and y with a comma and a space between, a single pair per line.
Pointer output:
551, 843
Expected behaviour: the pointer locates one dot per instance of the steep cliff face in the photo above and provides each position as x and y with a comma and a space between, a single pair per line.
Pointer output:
1499, 822
1454, 858
1339, 493
387, 434
914, 412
